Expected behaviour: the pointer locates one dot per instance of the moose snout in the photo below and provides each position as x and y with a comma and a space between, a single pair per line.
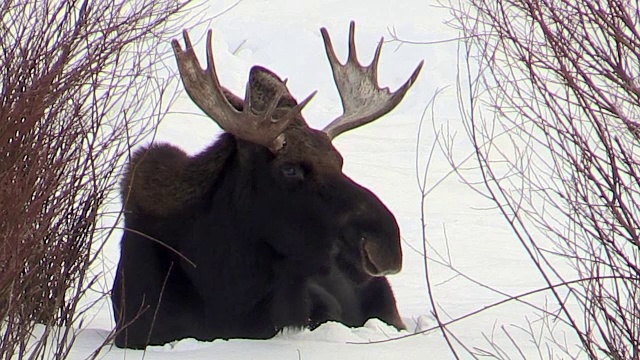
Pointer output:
380, 260
371, 228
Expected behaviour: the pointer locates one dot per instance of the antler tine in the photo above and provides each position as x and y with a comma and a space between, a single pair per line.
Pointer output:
353, 56
362, 99
203, 87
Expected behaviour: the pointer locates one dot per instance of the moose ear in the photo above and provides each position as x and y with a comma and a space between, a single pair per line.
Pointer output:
264, 87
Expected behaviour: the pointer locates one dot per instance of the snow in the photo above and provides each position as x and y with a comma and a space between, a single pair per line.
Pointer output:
284, 36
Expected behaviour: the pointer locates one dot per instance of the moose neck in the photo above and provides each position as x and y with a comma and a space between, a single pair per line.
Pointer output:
225, 173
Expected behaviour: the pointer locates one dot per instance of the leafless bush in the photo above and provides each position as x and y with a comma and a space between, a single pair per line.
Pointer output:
551, 104
77, 79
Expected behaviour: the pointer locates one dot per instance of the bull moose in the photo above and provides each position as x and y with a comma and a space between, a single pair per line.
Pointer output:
261, 230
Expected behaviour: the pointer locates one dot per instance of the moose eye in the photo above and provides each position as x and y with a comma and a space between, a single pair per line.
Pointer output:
292, 172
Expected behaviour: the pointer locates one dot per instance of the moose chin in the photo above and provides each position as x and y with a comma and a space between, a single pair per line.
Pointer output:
262, 230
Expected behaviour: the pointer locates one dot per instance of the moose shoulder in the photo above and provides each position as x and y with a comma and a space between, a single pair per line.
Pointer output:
261, 230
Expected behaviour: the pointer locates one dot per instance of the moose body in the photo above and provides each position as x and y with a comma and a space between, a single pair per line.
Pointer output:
258, 232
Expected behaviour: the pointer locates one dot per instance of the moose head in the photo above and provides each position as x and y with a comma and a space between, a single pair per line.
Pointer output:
303, 163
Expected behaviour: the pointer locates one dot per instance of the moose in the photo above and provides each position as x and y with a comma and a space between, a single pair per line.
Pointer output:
262, 230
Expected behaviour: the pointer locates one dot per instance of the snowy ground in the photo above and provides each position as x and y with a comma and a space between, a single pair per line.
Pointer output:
284, 35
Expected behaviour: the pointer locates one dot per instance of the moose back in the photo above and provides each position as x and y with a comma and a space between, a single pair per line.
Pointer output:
261, 230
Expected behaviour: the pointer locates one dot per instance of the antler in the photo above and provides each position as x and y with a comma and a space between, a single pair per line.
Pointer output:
363, 100
203, 86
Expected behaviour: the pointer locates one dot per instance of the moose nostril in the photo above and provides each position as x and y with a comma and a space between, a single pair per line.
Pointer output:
377, 261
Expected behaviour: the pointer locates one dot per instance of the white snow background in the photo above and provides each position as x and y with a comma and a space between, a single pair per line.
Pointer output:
461, 226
